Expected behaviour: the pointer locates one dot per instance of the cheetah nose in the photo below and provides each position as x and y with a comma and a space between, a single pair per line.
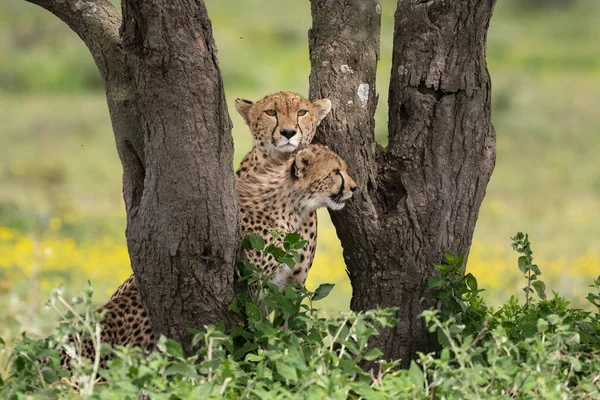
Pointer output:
288, 133
353, 188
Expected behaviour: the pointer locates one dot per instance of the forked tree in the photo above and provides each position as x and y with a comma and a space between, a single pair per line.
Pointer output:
419, 196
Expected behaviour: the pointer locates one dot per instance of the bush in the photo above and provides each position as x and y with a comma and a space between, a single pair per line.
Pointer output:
540, 349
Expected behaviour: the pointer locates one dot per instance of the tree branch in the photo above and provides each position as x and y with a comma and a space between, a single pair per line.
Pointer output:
344, 51
438, 58
96, 22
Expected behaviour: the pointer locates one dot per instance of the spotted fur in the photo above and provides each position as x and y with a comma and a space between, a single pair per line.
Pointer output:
284, 195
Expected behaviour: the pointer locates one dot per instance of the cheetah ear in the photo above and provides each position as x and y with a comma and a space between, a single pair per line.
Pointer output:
322, 108
243, 107
303, 159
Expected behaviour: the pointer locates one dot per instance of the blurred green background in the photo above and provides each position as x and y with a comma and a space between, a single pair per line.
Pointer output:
61, 210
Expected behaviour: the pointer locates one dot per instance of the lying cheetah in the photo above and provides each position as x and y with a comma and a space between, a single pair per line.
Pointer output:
275, 197
125, 323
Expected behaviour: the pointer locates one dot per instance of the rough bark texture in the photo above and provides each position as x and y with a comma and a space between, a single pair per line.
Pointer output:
173, 134
419, 197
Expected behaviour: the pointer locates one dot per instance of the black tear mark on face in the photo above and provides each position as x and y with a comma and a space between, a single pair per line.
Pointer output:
338, 196
247, 101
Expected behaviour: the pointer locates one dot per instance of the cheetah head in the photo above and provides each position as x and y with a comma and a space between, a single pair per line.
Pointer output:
323, 175
280, 122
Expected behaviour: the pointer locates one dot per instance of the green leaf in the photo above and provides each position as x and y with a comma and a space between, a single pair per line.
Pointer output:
289, 261
253, 312
416, 375
287, 371
373, 354
19, 364
594, 299
127, 386
445, 355
576, 364
195, 331
49, 375
435, 282
529, 329
471, 282
322, 291
540, 288
300, 244
2, 342
523, 264
438, 267
182, 369
252, 242
289, 307
442, 338
253, 357
292, 238
275, 251
173, 348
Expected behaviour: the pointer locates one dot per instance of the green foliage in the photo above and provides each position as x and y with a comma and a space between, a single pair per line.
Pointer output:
460, 294
541, 349
521, 245
286, 349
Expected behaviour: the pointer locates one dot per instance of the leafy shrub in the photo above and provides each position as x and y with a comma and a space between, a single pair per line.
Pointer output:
289, 349
543, 348
540, 349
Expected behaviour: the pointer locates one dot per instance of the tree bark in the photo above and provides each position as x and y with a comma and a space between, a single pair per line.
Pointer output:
420, 196
173, 134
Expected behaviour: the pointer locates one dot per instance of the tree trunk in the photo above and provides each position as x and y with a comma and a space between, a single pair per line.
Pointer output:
419, 197
173, 134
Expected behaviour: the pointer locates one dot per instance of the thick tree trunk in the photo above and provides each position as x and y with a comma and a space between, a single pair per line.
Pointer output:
419, 197
173, 134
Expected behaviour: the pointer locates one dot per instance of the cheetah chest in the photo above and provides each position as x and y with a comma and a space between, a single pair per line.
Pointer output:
281, 273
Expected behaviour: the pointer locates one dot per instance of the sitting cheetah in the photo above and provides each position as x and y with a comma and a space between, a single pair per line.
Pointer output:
275, 197
298, 185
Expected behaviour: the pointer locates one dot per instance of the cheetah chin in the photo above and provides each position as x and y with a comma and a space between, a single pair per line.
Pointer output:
287, 148
335, 205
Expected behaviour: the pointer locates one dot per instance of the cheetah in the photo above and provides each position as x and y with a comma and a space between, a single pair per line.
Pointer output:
279, 123
125, 323
282, 194
277, 196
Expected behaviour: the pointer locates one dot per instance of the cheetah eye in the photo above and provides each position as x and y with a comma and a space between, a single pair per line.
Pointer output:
337, 171
302, 113
271, 113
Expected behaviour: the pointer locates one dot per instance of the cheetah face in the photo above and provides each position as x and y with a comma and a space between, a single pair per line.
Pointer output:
280, 122
324, 176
